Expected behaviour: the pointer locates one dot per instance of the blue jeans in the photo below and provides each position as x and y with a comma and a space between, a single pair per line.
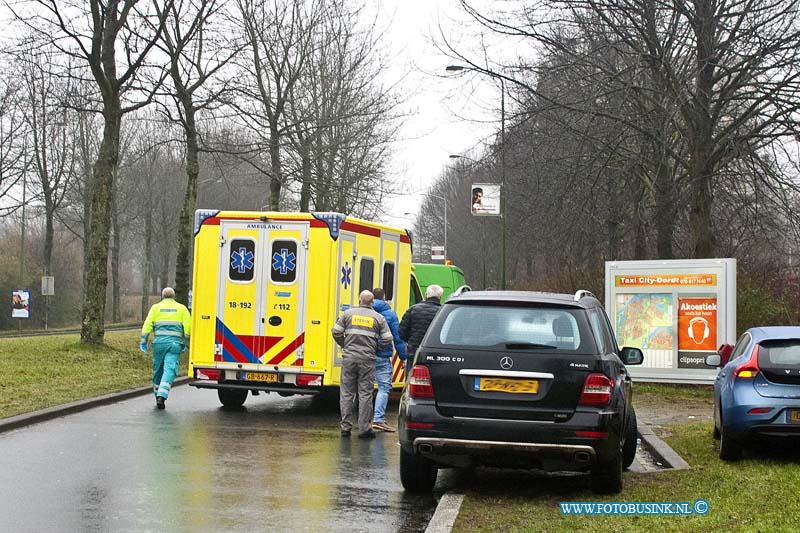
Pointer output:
383, 374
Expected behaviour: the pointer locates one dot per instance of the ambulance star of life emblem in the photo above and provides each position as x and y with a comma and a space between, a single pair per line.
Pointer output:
346, 275
242, 260
283, 262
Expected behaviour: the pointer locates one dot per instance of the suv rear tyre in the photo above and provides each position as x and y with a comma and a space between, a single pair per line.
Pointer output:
607, 478
417, 473
232, 397
631, 440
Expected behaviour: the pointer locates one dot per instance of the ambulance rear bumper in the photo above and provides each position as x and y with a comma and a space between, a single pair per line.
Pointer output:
253, 385
293, 380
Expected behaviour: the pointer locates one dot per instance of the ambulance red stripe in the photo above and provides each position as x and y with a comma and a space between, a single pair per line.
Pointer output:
288, 350
346, 226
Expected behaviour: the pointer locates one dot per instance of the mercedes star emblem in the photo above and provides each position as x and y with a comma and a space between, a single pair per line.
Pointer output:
506, 363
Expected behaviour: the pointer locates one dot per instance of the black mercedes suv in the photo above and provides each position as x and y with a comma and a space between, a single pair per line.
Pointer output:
521, 380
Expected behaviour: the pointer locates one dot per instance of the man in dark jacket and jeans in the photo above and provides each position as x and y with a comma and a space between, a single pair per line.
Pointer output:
383, 363
417, 319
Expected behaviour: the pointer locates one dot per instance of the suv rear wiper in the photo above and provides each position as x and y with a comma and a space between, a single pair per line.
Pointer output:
525, 345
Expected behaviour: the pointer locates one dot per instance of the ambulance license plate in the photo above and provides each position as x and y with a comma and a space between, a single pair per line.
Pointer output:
261, 376
514, 386
794, 416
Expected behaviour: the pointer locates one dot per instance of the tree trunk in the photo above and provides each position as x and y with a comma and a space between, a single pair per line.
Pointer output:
148, 259
276, 179
115, 282
186, 223
48, 244
305, 162
88, 188
701, 168
164, 275
94, 301
665, 210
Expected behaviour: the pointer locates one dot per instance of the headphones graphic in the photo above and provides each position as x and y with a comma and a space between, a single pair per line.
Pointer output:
706, 332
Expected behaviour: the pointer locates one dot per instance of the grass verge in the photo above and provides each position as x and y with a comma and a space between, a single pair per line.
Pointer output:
41, 372
524, 502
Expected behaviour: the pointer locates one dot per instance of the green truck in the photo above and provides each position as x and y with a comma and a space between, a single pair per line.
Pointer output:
449, 277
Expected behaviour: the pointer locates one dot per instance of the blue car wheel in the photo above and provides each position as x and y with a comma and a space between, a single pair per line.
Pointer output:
729, 449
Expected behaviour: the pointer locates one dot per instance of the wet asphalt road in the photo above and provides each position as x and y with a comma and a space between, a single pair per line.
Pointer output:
277, 465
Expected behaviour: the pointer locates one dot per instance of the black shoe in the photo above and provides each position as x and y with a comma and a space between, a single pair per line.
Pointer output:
160, 402
367, 435
345, 433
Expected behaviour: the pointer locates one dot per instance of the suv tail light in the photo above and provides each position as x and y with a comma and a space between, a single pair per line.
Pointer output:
596, 390
748, 369
419, 383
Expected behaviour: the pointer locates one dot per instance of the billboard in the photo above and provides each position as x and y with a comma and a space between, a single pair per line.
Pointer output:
21, 304
677, 312
485, 199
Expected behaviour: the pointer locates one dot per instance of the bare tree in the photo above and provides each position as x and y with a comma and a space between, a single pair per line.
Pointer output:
196, 56
729, 70
92, 32
280, 38
12, 135
343, 119
51, 145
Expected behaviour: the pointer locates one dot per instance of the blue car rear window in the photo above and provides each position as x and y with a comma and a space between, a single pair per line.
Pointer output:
785, 352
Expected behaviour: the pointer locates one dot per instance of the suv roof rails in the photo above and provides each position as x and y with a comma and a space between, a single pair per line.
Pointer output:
580, 293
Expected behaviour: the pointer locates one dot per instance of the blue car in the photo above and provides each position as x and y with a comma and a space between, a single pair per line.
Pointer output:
757, 390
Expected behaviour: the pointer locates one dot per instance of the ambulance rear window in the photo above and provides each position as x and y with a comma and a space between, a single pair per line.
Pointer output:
284, 261
241, 266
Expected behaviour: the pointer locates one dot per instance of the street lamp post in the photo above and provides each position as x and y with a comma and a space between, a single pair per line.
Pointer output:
460, 68
444, 199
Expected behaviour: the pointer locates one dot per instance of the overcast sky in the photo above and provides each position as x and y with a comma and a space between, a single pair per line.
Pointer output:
445, 113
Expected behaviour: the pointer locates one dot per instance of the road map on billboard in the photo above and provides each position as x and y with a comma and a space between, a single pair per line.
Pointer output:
645, 321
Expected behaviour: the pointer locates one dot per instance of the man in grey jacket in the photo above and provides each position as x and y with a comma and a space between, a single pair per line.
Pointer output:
360, 331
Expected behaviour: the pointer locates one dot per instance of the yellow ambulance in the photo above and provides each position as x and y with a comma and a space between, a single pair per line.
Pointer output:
268, 287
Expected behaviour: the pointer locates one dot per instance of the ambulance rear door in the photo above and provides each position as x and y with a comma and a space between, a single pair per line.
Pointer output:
262, 282
346, 295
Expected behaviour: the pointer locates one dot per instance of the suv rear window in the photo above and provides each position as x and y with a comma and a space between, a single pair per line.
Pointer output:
490, 325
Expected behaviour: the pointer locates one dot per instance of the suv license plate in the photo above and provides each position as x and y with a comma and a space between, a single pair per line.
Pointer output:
794, 416
515, 386
260, 376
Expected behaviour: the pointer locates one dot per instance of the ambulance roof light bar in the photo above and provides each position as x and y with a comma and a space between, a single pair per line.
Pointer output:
332, 220
202, 214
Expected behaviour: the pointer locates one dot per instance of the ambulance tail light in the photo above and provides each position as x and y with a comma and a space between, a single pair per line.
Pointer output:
207, 373
308, 380
419, 384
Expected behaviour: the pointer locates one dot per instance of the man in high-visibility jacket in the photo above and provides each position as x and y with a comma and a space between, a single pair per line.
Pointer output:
171, 325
